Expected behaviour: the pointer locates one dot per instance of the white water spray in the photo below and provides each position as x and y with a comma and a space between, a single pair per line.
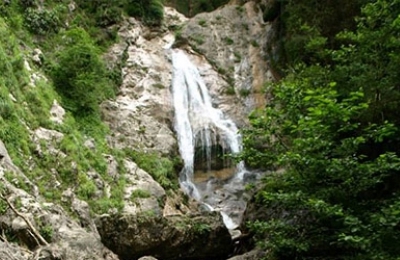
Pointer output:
199, 124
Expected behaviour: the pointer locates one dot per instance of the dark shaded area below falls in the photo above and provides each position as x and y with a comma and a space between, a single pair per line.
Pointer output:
200, 237
215, 161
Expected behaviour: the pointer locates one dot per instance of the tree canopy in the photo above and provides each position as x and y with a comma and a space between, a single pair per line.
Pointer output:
330, 137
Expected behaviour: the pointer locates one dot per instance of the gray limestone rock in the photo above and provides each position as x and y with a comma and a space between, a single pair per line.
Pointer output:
142, 192
57, 113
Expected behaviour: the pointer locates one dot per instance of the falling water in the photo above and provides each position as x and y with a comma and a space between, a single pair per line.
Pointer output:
199, 124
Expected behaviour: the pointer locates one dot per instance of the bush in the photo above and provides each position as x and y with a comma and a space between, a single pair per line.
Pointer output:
46, 232
42, 21
191, 8
6, 108
104, 12
80, 75
161, 169
27, 3
150, 11
139, 194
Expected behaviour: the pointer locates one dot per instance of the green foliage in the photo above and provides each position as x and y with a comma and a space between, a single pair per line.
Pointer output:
330, 136
104, 12
192, 7
87, 188
228, 41
238, 57
244, 92
328, 179
3, 207
203, 23
302, 20
148, 216
254, 43
42, 21
80, 75
103, 205
115, 201
27, 3
46, 232
3, 203
201, 228
139, 193
73, 61
5, 108
162, 169
198, 38
151, 11
230, 90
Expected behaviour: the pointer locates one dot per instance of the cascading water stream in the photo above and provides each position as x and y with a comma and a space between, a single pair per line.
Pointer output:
199, 124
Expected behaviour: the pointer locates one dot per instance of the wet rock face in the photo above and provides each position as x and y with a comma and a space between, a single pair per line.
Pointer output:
214, 160
167, 238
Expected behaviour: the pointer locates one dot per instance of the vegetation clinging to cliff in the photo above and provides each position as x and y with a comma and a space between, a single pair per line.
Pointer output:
80, 75
72, 36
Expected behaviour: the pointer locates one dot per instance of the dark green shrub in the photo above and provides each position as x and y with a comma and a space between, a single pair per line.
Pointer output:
104, 12
162, 169
205, 6
191, 8
80, 75
6, 108
150, 11
139, 194
27, 3
46, 232
41, 21
228, 40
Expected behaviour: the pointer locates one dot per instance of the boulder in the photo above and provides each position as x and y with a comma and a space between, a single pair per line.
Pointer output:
168, 238
142, 192
57, 113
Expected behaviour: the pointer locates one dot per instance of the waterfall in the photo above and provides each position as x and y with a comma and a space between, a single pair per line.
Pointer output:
200, 126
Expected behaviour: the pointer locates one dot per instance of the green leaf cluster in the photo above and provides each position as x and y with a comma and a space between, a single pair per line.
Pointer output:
80, 75
330, 138
107, 13
161, 168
